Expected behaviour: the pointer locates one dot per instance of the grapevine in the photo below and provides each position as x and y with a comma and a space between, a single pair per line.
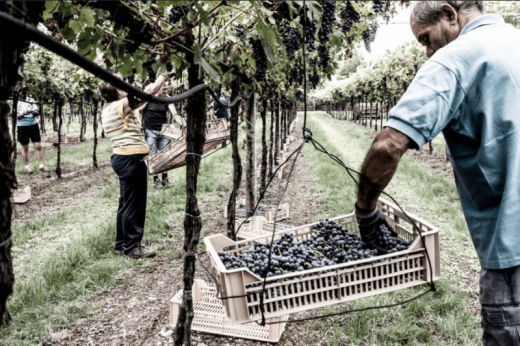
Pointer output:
177, 13
349, 17
260, 60
327, 23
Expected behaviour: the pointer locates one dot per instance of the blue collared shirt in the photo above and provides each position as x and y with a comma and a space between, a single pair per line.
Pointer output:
25, 107
470, 90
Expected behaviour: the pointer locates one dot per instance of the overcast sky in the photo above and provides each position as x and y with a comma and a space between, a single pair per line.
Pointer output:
390, 36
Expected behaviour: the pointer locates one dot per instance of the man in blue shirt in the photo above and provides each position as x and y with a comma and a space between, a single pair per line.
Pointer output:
28, 130
470, 90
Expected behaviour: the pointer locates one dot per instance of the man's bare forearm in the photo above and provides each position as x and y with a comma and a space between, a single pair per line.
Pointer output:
380, 165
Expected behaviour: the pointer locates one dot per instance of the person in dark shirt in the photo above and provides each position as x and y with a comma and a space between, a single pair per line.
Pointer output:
154, 117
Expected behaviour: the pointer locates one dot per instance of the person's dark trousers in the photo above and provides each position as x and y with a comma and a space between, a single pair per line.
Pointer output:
133, 183
500, 300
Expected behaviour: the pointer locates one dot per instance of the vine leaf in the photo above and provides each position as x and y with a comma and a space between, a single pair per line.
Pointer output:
199, 60
268, 38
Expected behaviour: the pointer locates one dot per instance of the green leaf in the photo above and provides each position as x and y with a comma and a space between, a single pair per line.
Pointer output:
86, 17
49, 6
75, 26
213, 74
355, 5
267, 37
316, 8
67, 32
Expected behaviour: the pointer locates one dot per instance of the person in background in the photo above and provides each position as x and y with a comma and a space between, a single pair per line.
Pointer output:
221, 112
28, 130
129, 148
154, 117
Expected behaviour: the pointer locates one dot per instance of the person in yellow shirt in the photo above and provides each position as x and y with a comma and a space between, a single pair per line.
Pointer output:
129, 148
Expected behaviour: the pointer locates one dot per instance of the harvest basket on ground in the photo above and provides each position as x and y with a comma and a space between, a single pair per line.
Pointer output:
257, 226
283, 213
171, 131
174, 154
319, 287
50, 137
21, 196
263, 209
210, 317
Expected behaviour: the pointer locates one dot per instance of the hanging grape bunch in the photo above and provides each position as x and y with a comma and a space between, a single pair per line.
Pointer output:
135, 38
369, 35
177, 13
311, 26
379, 6
60, 20
324, 56
331, 245
152, 76
327, 23
349, 17
314, 78
291, 40
293, 75
239, 30
260, 60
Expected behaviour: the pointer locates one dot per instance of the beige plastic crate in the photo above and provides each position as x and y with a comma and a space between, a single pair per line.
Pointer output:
171, 131
311, 289
50, 137
174, 154
283, 213
21, 196
71, 138
257, 226
210, 317
241, 213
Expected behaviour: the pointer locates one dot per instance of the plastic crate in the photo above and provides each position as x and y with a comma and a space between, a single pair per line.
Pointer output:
313, 288
210, 317
71, 138
21, 196
283, 213
241, 212
257, 226
50, 137
174, 154
171, 131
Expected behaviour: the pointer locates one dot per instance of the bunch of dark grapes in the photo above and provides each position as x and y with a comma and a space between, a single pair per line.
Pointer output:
324, 56
239, 30
369, 35
327, 22
299, 95
379, 6
60, 20
135, 38
331, 245
177, 13
314, 79
292, 41
130, 79
152, 76
349, 16
310, 28
35, 11
260, 60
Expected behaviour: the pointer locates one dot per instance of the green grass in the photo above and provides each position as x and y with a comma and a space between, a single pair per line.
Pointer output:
442, 318
65, 258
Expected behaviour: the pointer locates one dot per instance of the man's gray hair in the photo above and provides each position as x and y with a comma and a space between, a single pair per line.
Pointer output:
430, 11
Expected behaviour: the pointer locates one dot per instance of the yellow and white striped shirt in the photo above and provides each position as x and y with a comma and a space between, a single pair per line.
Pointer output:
125, 134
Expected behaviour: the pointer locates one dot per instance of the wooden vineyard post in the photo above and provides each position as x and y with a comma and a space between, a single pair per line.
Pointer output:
94, 125
42, 116
11, 46
370, 114
277, 132
55, 117
195, 139
271, 141
237, 162
60, 121
263, 114
103, 129
377, 115
83, 121
250, 156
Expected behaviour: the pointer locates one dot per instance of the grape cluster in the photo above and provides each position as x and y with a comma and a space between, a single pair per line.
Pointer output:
292, 41
327, 22
324, 56
349, 16
299, 95
310, 28
239, 30
152, 76
177, 13
379, 6
61, 20
135, 38
369, 35
314, 79
260, 60
388, 242
294, 75
332, 244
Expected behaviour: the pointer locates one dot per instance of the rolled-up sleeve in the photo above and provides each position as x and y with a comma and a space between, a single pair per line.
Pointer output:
431, 102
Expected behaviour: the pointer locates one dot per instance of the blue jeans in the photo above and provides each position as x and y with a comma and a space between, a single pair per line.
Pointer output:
500, 300
155, 140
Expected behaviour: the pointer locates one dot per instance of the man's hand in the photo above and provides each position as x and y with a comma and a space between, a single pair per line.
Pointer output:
369, 223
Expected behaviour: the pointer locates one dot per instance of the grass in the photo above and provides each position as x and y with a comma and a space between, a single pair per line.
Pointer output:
65, 258
444, 317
